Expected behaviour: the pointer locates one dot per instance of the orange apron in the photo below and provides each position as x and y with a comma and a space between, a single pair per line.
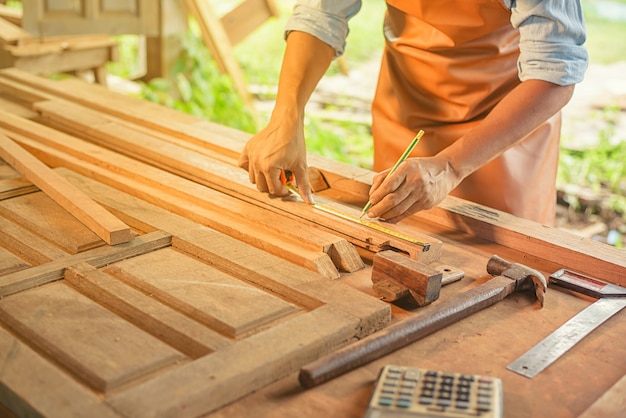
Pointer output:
446, 64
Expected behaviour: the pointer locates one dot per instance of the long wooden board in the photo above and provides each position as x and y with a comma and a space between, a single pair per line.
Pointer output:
94, 216
227, 179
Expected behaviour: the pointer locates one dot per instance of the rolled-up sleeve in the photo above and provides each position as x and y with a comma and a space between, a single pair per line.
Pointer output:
552, 37
327, 20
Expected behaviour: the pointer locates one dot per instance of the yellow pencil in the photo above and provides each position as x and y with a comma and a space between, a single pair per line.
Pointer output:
403, 157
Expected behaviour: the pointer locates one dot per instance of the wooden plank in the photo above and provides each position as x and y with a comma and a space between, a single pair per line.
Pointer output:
225, 376
234, 181
15, 187
11, 33
246, 17
30, 247
41, 215
11, 14
318, 249
104, 224
32, 386
54, 270
19, 92
216, 39
10, 263
223, 302
96, 346
16, 109
555, 246
169, 325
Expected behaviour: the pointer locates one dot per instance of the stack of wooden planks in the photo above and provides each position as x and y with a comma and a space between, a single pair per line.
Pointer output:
221, 289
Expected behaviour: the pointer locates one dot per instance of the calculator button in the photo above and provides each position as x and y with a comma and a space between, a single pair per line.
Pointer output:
385, 401
403, 403
444, 402
412, 375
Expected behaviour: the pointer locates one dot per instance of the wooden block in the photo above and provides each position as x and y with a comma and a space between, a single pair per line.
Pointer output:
422, 281
96, 346
104, 224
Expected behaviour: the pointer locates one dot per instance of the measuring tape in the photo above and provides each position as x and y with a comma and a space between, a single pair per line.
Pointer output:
369, 224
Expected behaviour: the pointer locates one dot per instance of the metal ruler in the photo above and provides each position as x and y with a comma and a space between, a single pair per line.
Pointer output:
373, 225
565, 337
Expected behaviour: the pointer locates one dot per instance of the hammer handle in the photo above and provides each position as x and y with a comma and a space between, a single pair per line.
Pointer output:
396, 336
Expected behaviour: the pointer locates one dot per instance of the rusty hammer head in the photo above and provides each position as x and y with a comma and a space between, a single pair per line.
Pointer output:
525, 277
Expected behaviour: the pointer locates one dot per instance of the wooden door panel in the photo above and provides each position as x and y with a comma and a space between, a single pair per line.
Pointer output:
83, 17
98, 347
166, 325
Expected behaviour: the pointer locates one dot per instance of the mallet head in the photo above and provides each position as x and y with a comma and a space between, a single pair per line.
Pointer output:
524, 276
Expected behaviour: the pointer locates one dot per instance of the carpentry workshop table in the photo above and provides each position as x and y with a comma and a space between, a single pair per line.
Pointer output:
221, 294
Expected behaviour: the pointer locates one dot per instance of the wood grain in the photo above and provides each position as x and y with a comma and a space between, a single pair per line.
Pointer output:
90, 342
105, 225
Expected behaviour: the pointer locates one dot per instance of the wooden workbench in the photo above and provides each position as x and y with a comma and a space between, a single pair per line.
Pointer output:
294, 295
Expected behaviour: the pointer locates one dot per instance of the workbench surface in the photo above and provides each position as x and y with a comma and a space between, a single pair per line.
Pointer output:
223, 293
484, 343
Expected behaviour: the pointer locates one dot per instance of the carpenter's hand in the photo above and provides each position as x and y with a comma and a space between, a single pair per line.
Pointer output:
279, 146
417, 184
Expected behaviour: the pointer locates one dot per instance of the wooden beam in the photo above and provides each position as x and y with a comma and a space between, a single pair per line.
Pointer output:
104, 224
216, 39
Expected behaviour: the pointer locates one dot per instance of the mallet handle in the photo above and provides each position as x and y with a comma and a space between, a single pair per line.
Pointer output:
394, 337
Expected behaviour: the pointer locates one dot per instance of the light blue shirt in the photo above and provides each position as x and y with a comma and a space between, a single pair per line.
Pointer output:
552, 33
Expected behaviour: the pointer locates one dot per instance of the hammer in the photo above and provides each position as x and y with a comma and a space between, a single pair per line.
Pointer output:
509, 278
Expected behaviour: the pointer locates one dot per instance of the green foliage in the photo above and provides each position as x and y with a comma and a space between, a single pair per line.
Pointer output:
599, 168
347, 142
197, 87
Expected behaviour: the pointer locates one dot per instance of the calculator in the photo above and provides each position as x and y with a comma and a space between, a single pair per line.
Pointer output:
409, 392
